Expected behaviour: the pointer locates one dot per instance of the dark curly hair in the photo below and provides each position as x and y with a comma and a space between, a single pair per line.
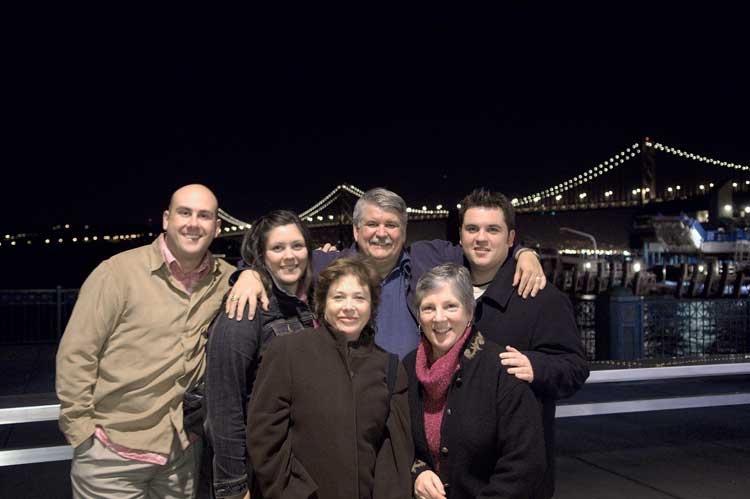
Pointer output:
254, 243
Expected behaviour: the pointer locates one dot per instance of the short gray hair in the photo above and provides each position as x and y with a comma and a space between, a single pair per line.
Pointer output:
383, 199
448, 273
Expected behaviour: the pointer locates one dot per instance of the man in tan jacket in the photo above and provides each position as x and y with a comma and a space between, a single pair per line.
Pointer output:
133, 346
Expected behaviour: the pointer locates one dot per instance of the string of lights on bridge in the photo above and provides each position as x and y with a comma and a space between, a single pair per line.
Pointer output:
616, 160
315, 213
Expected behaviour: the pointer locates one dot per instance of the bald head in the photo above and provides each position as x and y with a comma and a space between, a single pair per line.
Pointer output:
191, 223
195, 191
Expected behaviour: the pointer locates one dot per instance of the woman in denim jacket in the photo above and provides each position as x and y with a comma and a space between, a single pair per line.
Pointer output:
278, 247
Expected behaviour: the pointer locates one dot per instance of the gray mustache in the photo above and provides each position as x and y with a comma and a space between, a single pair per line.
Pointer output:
381, 242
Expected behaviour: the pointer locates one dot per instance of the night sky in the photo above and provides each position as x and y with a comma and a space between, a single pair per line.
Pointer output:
107, 112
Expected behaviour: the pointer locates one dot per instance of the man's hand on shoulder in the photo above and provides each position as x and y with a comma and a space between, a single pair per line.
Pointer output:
327, 248
520, 365
247, 291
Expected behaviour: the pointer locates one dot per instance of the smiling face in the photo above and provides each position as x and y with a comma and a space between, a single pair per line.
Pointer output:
191, 224
485, 239
380, 235
443, 319
348, 306
286, 256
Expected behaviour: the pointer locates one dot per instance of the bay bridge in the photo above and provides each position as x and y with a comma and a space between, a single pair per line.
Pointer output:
627, 178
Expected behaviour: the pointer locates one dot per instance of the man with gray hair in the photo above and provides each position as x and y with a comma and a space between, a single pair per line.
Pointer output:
379, 225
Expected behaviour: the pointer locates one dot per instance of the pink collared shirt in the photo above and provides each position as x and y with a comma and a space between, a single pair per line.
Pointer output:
134, 455
190, 279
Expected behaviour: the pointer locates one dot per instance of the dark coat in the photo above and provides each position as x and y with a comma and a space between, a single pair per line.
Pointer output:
544, 329
320, 422
234, 353
491, 439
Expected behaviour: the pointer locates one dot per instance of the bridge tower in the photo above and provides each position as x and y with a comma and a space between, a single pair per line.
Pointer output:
648, 172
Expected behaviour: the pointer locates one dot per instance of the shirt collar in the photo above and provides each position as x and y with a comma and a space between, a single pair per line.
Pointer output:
403, 264
172, 263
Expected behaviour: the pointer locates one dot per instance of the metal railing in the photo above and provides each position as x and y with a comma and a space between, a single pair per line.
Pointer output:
695, 327
672, 328
51, 412
35, 315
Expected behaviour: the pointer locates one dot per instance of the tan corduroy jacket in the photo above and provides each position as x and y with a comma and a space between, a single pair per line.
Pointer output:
134, 343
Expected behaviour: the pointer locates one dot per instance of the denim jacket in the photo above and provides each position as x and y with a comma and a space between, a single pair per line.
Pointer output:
234, 353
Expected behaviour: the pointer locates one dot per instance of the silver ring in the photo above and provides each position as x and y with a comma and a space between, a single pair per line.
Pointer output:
234, 298
538, 277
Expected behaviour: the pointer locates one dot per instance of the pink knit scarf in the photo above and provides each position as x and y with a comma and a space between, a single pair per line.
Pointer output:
435, 380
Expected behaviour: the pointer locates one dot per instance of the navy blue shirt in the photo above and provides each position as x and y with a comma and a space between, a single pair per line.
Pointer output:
397, 330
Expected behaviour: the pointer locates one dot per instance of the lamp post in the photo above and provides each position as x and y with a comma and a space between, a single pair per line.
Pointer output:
582, 234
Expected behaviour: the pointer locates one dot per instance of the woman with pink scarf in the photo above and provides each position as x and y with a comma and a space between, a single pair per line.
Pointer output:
477, 431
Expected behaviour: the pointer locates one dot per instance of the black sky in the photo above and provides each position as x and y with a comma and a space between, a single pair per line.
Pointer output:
109, 111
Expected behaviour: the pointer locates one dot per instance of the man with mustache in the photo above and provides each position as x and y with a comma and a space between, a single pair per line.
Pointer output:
133, 346
379, 225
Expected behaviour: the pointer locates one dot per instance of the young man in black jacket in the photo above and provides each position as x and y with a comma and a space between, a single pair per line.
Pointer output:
540, 336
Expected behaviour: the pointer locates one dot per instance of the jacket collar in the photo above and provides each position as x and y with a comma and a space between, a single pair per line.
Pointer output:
501, 288
340, 339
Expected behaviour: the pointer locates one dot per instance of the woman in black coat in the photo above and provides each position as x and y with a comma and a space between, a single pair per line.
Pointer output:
324, 421
477, 430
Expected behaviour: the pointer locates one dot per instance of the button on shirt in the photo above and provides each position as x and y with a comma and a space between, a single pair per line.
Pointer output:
397, 330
